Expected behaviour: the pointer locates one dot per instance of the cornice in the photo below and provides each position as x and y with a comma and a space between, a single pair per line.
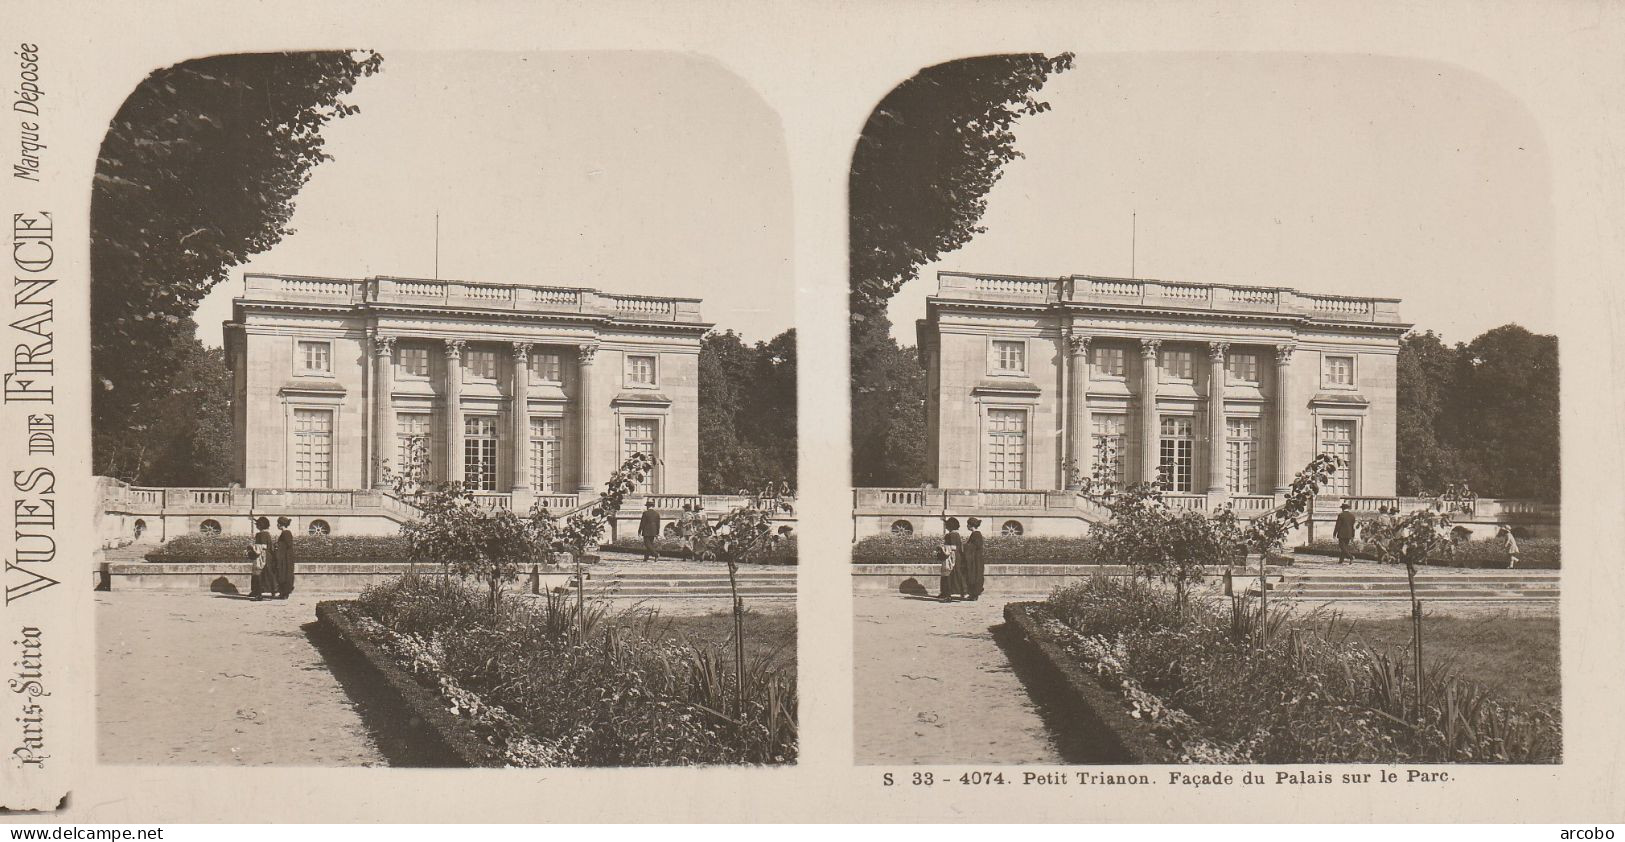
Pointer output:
597, 321
1222, 316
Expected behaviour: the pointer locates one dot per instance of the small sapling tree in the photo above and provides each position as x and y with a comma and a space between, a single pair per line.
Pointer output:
738, 536
1411, 541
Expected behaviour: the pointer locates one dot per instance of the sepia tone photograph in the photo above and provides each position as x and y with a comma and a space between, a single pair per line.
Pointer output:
443, 414
1205, 410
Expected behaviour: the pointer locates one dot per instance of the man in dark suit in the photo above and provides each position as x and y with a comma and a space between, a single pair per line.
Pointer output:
649, 528
283, 558
1344, 533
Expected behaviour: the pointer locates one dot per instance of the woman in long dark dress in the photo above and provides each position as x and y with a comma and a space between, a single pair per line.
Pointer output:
972, 564
264, 581
954, 581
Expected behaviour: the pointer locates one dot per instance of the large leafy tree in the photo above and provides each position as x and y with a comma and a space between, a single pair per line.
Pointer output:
747, 412
197, 172
888, 409
929, 154
1506, 411
1486, 412
1426, 370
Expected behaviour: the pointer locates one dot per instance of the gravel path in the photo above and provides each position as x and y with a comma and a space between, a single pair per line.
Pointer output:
210, 679
933, 686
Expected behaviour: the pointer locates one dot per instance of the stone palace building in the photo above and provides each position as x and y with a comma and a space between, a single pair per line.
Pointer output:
1225, 390
1228, 390
515, 389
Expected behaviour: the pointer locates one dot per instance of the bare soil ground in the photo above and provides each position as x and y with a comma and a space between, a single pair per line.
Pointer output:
932, 685
212, 679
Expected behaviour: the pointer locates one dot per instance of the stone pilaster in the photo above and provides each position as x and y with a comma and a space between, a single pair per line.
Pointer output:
1149, 429
383, 408
454, 410
1077, 404
1215, 418
1285, 469
586, 480
520, 416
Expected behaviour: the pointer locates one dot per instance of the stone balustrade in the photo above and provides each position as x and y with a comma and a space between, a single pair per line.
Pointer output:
1089, 289
517, 297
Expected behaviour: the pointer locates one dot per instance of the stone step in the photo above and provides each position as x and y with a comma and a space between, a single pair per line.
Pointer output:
1422, 579
1440, 598
718, 595
1453, 594
1421, 585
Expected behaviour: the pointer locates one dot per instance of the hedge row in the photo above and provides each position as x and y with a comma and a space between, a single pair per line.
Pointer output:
921, 549
783, 551
333, 548
1533, 553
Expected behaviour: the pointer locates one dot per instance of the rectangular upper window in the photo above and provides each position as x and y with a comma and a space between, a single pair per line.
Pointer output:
414, 361
1337, 370
1105, 361
481, 365
1009, 357
546, 367
1177, 365
1241, 367
640, 369
314, 356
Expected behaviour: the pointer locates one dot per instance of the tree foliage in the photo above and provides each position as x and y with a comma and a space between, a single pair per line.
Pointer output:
183, 433
747, 411
929, 154
1485, 412
197, 172
1158, 542
888, 409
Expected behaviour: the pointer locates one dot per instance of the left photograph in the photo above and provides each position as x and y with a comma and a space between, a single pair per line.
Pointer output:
444, 414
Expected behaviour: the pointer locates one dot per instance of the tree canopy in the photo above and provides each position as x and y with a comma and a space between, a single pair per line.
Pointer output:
197, 172
928, 156
1485, 412
747, 412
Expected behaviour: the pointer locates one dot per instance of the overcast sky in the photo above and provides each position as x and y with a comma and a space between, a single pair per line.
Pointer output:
1341, 174
649, 173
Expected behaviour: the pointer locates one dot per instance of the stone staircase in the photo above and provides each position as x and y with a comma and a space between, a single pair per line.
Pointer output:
689, 584
1486, 586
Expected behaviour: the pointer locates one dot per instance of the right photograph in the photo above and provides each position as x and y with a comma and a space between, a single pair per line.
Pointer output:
1205, 409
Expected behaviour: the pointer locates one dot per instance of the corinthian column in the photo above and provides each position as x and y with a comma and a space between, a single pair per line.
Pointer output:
1284, 467
1148, 408
383, 409
1077, 396
584, 416
1215, 417
454, 410
520, 416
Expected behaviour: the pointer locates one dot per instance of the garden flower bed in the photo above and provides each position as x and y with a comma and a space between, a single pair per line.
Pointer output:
1217, 683
545, 684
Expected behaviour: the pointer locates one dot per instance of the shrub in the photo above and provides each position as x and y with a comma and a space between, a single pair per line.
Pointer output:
1534, 553
1000, 549
1218, 689
332, 548
782, 552
554, 684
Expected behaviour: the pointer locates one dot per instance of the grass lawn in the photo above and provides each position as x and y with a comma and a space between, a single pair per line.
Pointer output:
767, 633
1516, 656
